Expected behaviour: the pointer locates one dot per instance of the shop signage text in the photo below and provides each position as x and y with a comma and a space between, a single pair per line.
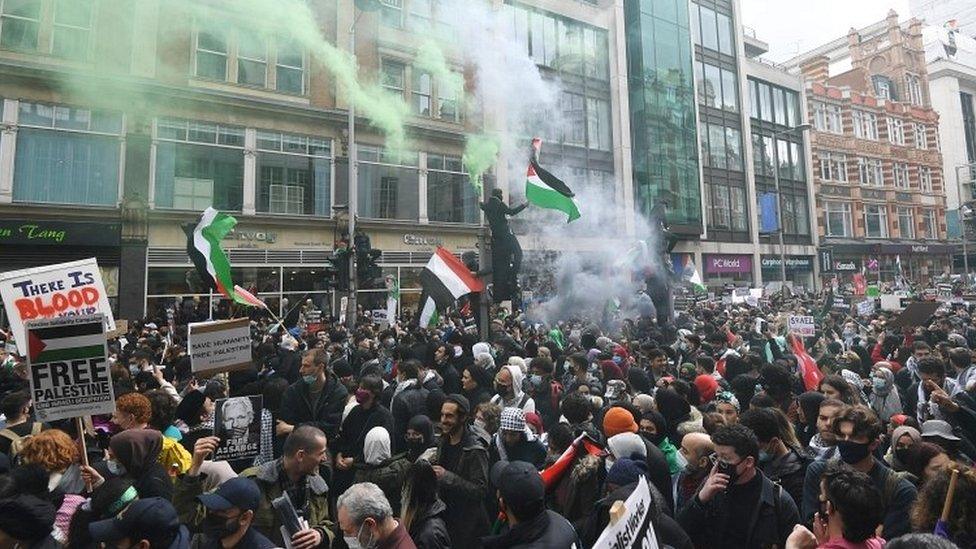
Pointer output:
729, 264
792, 263
58, 233
248, 235
422, 240
845, 266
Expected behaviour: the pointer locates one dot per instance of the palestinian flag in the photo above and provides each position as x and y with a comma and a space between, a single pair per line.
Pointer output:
63, 343
546, 190
203, 247
445, 279
429, 317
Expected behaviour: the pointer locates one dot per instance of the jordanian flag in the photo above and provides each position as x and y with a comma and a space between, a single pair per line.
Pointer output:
62, 343
546, 190
203, 246
444, 279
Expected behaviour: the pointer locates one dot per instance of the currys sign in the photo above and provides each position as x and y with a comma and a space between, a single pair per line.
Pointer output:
53, 291
718, 264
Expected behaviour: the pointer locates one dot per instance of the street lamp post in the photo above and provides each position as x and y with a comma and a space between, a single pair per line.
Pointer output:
962, 224
779, 201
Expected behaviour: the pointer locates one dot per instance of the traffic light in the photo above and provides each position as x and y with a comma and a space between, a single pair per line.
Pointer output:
369, 275
340, 261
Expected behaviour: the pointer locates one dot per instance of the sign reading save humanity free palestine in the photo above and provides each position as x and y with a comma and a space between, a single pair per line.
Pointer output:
69, 371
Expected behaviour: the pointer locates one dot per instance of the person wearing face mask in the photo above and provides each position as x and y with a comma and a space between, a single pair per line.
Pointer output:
227, 516
514, 441
419, 436
902, 438
780, 457
738, 506
654, 428
546, 392
409, 399
367, 521
858, 431
509, 389
884, 399
695, 450
134, 454
350, 444
316, 399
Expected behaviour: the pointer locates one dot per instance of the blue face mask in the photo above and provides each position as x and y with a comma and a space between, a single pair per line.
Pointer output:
878, 384
115, 467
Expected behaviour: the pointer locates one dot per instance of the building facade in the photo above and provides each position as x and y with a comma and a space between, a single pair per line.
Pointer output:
938, 13
880, 190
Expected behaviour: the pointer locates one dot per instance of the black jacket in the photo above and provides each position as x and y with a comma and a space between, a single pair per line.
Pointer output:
773, 518
428, 530
549, 530
463, 490
667, 530
659, 474
452, 380
325, 413
411, 401
789, 472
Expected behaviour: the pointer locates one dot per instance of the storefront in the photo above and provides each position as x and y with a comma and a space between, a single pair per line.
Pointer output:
288, 265
799, 270
26, 243
880, 261
722, 269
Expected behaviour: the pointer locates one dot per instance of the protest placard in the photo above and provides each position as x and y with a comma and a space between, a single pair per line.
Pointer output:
866, 307
380, 317
219, 346
840, 303
53, 291
69, 372
632, 529
915, 314
237, 423
801, 325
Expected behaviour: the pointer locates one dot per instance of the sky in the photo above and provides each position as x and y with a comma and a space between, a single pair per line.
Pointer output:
796, 26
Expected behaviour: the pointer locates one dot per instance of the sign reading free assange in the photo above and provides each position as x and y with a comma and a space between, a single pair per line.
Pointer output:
219, 346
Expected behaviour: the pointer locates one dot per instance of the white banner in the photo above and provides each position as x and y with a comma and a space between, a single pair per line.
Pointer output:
633, 529
53, 291
802, 325
220, 346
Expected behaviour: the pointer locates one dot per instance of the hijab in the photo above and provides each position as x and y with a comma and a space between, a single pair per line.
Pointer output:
884, 400
376, 448
137, 449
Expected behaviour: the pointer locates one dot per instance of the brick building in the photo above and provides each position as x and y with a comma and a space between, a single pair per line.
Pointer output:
876, 162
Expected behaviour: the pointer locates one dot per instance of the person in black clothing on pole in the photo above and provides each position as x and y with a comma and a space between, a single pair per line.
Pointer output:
506, 251
318, 398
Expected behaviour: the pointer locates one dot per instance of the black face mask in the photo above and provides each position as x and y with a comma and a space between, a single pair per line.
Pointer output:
901, 454
217, 527
852, 452
655, 438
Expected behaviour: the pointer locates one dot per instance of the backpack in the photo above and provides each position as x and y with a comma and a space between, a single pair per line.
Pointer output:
18, 442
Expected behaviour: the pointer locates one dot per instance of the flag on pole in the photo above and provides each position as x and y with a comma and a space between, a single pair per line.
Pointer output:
546, 190
696, 281
392, 298
429, 317
203, 247
444, 279
809, 370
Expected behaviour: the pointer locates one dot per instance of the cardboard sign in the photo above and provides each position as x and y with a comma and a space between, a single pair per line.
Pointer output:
53, 291
840, 303
915, 314
237, 423
891, 302
631, 529
380, 316
220, 346
69, 371
121, 328
866, 307
802, 325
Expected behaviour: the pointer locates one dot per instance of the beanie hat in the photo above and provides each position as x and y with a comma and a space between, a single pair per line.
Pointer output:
707, 387
618, 420
626, 471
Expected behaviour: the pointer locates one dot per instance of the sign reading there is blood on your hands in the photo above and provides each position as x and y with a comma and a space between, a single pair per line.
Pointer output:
53, 291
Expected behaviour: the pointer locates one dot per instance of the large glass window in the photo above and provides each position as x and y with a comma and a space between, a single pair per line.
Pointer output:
730, 91
724, 34
574, 117
709, 28
875, 221
797, 167
779, 106
450, 196
252, 60
294, 174
67, 155
20, 21
839, 219
447, 101
198, 165
733, 148
716, 146
871, 171
792, 109
762, 152
906, 222
765, 103
598, 127
290, 67
211, 55
72, 28
388, 184
783, 156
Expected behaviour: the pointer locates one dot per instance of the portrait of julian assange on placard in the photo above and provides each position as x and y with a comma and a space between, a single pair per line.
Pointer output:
237, 423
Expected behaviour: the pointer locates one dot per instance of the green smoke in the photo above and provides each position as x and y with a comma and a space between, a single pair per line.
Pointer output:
430, 58
480, 153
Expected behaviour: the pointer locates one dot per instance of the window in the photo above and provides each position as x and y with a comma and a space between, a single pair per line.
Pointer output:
792, 110
765, 104
833, 166
211, 55
421, 15
783, 156
199, 164
753, 99
827, 117
72, 28
865, 125
294, 174
716, 146
871, 171
906, 222
779, 106
391, 12
839, 218
252, 60
901, 175
450, 196
875, 221
882, 87
727, 208
740, 216
925, 178
709, 29
730, 91
422, 91
796, 162
710, 89
290, 68
392, 77
724, 34
574, 115
19, 24
598, 124
448, 93
921, 136
928, 221
733, 148
67, 155
388, 185
913, 87
896, 131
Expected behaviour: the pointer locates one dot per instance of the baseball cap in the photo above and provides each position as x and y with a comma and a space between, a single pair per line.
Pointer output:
938, 429
239, 492
135, 521
518, 482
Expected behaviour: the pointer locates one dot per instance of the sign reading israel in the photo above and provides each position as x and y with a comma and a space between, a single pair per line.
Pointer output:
53, 291
69, 371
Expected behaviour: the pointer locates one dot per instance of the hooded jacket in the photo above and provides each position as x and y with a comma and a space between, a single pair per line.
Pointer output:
429, 530
138, 451
520, 398
884, 398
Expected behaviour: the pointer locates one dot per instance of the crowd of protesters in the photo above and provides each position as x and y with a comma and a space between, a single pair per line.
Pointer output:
403, 437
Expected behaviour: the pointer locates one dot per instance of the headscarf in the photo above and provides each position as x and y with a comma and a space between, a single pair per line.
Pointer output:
884, 400
644, 402
627, 445
728, 398
896, 435
137, 449
855, 381
376, 449
424, 426
674, 408
518, 378
810, 404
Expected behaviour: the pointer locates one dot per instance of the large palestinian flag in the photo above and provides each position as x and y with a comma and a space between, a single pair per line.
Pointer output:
203, 247
546, 190
444, 279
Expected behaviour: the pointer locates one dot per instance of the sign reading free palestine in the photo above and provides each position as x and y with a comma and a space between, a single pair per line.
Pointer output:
219, 346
